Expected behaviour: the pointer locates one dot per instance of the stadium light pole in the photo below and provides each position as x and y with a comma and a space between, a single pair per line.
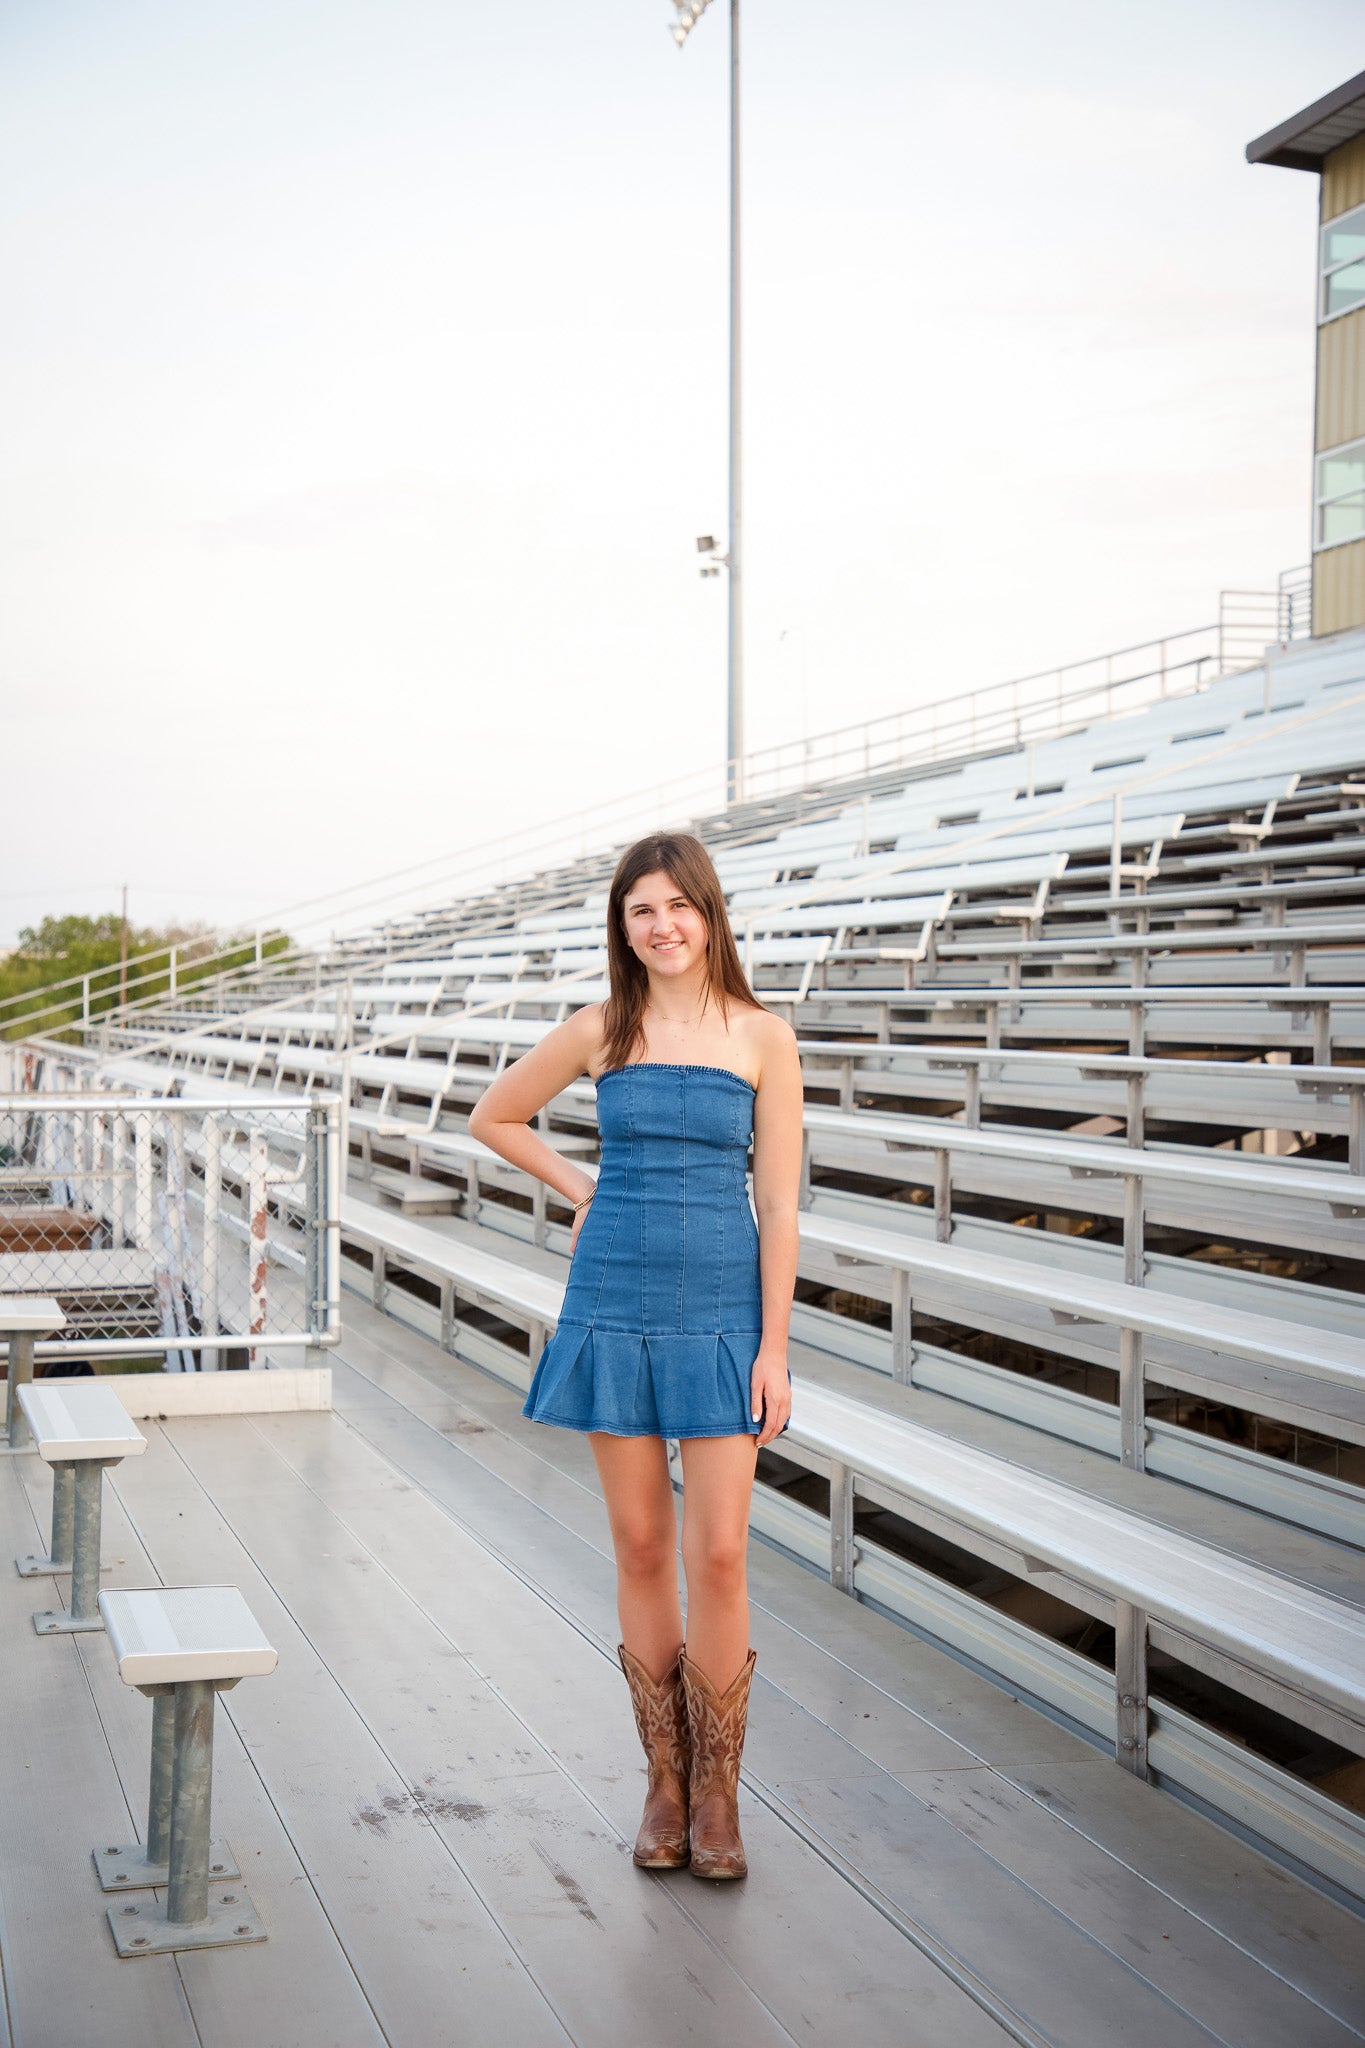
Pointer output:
689, 13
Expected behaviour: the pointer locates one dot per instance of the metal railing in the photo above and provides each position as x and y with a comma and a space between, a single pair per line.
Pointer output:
796, 773
194, 1229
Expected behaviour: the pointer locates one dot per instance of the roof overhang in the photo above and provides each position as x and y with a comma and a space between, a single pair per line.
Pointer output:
1301, 143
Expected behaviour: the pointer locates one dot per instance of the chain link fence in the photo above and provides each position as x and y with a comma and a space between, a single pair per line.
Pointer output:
200, 1233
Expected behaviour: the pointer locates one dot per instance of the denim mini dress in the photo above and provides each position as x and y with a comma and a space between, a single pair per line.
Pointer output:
662, 1315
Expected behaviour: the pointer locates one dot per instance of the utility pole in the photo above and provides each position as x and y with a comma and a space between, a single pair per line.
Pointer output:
689, 14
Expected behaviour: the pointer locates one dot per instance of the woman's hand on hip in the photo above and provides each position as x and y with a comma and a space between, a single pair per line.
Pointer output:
770, 1394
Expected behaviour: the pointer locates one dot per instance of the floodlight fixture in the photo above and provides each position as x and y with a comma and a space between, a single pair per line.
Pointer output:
706, 544
689, 13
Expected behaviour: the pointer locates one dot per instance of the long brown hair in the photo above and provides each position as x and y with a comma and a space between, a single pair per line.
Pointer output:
688, 865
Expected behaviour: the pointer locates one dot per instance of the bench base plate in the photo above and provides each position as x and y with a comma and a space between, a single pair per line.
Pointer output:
60, 1622
142, 1929
44, 1568
126, 1869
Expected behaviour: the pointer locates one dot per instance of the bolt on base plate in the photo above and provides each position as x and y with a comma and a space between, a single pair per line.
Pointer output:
44, 1568
141, 1928
126, 1869
62, 1623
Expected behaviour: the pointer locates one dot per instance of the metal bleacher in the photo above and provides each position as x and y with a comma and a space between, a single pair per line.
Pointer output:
1079, 1340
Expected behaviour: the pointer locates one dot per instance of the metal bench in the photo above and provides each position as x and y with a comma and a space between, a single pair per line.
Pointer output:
23, 1320
180, 1646
415, 1196
78, 1428
1300, 1650
1310, 1645
1285, 1202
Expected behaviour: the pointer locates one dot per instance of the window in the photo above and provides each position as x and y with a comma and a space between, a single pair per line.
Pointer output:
1343, 264
1340, 494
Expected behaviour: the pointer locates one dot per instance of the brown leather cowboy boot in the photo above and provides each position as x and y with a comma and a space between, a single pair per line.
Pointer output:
716, 1725
661, 1717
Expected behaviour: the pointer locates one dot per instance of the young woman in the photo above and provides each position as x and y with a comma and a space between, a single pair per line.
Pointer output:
675, 1317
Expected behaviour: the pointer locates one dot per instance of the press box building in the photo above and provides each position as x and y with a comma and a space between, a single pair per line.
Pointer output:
1329, 138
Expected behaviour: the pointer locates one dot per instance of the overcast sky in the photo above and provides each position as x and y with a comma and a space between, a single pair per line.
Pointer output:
362, 392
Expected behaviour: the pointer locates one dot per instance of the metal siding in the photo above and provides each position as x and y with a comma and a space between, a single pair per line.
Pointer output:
1343, 178
1341, 380
1339, 588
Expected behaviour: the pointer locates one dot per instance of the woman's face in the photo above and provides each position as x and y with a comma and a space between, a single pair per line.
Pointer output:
662, 927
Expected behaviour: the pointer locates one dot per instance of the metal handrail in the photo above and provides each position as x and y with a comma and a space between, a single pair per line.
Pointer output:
944, 727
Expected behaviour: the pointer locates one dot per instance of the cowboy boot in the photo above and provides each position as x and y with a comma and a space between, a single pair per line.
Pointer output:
661, 1717
716, 1726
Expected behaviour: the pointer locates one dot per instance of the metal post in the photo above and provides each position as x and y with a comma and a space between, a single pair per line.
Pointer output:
20, 1372
1132, 1402
840, 1527
258, 1223
158, 1847
734, 732
1130, 1687
971, 1110
187, 1902
1355, 1142
85, 1542
142, 1180
1322, 1034
902, 1329
1134, 1246
943, 1196
1116, 848
803, 1195
63, 1516
213, 1190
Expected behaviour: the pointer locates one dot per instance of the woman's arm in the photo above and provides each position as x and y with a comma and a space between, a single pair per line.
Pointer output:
501, 1117
778, 1109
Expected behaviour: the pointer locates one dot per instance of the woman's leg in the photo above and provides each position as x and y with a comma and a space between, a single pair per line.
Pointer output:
718, 1478
644, 1535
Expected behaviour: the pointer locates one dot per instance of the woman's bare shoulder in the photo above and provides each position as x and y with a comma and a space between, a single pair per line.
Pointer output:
586, 1030
772, 1038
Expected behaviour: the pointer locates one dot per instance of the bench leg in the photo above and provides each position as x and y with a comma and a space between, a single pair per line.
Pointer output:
187, 1902
1132, 1402
133, 1865
58, 1558
84, 1612
197, 1913
841, 1550
1130, 1687
18, 1435
902, 1330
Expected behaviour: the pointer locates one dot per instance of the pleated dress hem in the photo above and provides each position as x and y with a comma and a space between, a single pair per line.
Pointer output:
666, 1384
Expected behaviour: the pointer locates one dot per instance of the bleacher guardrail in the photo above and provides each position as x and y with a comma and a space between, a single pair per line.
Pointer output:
204, 1231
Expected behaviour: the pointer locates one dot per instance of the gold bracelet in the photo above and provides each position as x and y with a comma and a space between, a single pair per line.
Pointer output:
584, 1203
